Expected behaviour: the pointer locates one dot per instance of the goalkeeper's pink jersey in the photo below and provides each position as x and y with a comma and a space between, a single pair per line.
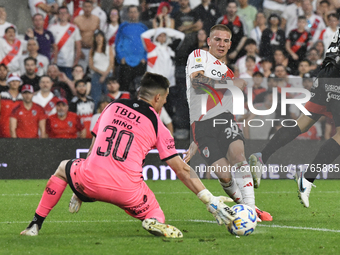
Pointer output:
125, 132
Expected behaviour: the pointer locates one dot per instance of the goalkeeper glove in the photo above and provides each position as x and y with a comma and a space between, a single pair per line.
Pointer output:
215, 205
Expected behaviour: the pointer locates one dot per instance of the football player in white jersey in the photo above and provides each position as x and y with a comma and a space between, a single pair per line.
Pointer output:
221, 146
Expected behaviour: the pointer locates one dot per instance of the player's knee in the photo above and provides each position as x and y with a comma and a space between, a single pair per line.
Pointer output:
225, 180
61, 172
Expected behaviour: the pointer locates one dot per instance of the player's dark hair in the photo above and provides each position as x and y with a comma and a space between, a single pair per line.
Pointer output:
63, 7
305, 60
43, 76
37, 14
220, 27
95, 45
302, 17
6, 30
78, 82
251, 57
334, 15
151, 84
132, 6
112, 79
250, 41
73, 68
258, 73
3, 65
324, 2
30, 58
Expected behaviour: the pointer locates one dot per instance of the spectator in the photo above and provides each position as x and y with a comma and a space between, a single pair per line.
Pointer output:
101, 65
28, 118
118, 4
265, 67
273, 7
297, 43
202, 40
97, 11
64, 124
260, 25
87, 23
234, 23
30, 77
42, 61
3, 23
83, 106
327, 34
112, 29
289, 17
251, 50
166, 119
160, 55
3, 78
248, 14
79, 74
315, 62
272, 38
45, 38
77, 6
323, 9
251, 132
44, 97
68, 40
258, 80
280, 58
315, 23
62, 86
113, 91
11, 49
131, 55
41, 7
208, 14
188, 22
320, 48
9, 100
163, 18
248, 74
104, 101
304, 67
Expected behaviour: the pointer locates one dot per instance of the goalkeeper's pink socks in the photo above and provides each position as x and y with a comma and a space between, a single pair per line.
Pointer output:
52, 193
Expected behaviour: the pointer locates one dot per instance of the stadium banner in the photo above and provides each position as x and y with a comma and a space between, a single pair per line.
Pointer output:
39, 158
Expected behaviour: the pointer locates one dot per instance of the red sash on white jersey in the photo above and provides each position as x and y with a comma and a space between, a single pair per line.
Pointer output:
113, 38
65, 37
315, 26
15, 49
50, 105
299, 42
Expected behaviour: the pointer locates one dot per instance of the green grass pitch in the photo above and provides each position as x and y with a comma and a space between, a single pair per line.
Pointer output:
101, 228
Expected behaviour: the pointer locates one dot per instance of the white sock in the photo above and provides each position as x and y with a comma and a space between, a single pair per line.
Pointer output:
233, 191
245, 183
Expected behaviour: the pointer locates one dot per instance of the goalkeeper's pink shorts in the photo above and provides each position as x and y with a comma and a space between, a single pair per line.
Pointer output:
140, 203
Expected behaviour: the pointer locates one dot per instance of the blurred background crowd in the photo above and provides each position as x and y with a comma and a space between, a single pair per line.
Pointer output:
79, 55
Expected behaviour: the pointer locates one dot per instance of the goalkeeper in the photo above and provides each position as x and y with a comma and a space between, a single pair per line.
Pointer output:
124, 133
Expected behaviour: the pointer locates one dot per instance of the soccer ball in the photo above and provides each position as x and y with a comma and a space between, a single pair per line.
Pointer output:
245, 221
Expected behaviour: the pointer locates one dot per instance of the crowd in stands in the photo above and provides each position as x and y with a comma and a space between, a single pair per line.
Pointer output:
57, 77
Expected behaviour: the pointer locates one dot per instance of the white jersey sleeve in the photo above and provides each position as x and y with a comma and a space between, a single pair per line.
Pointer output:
196, 61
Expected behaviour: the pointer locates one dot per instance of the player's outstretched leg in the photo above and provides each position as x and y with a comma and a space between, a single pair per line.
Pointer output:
256, 164
51, 195
157, 228
304, 188
75, 204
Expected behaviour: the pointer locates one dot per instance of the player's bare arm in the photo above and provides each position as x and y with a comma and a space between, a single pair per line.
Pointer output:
198, 79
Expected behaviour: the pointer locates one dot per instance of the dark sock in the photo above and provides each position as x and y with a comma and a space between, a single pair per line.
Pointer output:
327, 153
283, 136
37, 219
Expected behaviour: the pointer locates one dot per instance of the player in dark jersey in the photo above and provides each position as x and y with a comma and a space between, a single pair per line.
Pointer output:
124, 133
325, 100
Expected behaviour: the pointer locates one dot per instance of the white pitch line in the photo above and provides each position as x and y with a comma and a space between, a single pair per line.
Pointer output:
199, 221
